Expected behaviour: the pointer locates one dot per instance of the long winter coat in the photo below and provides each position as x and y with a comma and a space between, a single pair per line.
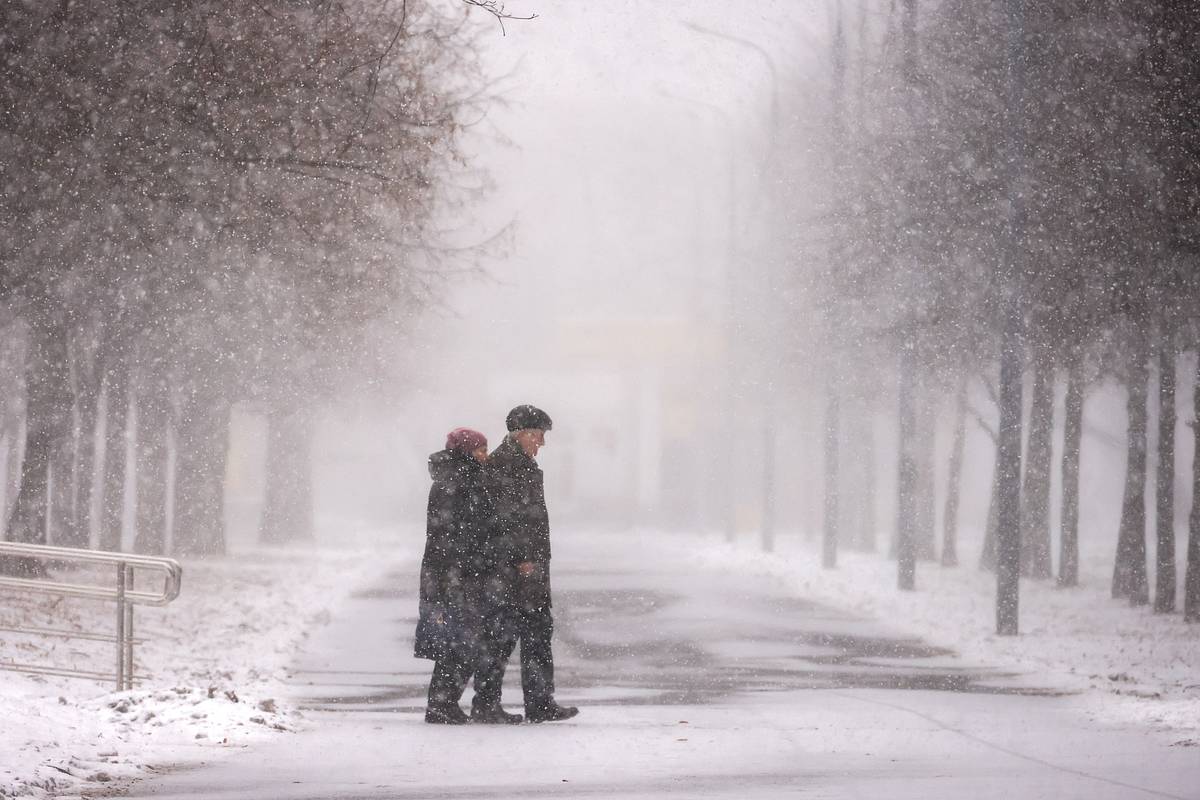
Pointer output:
521, 524
456, 559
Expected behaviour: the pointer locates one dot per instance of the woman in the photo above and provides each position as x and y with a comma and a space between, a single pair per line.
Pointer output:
452, 572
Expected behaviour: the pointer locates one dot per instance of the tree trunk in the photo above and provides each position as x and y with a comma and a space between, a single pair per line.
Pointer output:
7, 442
768, 482
830, 532
925, 441
88, 384
47, 426
62, 525
15, 455
1068, 562
858, 513
906, 552
987, 557
1164, 589
1035, 497
202, 453
908, 28
954, 480
63, 528
926, 492
866, 539
1008, 477
829, 540
1191, 580
85, 464
1129, 569
287, 510
151, 425
12, 360
116, 447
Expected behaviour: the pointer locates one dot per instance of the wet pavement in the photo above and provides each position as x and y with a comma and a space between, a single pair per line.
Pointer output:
691, 684
626, 643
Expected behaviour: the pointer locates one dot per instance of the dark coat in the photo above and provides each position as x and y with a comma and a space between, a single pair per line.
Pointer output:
521, 524
456, 559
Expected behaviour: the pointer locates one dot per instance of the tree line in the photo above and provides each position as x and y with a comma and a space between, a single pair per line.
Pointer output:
1022, 181
204, 204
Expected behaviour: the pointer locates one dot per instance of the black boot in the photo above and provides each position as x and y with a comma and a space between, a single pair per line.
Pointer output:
552, 712
449, 714
494, 715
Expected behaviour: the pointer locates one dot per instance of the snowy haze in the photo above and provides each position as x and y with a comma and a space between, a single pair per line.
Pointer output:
627, 149
631, 160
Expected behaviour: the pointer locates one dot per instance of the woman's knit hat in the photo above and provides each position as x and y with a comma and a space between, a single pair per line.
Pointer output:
465, 440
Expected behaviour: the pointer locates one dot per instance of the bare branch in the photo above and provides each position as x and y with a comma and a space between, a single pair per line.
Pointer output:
983, 423
497, 10
373, 78
986, 383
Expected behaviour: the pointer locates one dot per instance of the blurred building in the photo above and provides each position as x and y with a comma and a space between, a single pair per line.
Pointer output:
632, 399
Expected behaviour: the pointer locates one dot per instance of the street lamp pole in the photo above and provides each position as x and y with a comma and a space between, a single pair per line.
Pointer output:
769, 60
727, 491
766, 389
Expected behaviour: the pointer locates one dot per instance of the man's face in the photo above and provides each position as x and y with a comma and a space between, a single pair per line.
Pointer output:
531, 440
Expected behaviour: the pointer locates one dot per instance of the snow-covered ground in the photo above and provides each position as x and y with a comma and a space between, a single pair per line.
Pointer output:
694, 681
1134, 667
225, 675
216, 658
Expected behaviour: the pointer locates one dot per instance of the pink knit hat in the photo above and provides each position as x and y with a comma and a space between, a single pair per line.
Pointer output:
465, 440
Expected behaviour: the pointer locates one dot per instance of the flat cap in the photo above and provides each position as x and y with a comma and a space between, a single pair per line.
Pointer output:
528, 416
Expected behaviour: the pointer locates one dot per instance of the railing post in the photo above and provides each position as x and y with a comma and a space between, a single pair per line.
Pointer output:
129, 580
121, 574
125, 595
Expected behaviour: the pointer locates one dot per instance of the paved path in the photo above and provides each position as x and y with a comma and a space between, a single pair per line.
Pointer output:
692, 685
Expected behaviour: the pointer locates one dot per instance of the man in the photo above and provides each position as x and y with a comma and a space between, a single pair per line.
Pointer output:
521, 545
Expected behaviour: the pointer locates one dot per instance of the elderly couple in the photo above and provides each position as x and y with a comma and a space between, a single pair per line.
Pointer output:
485, 577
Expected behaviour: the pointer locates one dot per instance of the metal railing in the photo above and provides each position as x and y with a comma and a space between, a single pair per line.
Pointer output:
122, 592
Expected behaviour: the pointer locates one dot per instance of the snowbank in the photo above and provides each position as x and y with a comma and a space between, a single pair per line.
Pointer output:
216, 659
1132, 667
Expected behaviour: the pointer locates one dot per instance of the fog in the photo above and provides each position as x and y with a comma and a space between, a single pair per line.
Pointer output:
654, 173
656, 208
628, 163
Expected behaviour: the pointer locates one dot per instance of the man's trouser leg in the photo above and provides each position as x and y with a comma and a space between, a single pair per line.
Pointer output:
537, 659
499, 642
